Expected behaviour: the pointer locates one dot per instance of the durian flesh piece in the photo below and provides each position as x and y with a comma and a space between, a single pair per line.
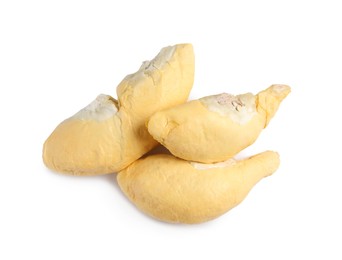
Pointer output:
108, 135
215, 128
177, 191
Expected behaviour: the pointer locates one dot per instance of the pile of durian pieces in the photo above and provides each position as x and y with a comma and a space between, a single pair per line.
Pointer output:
198, 180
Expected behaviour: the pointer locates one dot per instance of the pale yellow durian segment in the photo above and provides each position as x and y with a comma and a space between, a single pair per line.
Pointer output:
177, 191
108, 135
161, 83
215, 128
88, 142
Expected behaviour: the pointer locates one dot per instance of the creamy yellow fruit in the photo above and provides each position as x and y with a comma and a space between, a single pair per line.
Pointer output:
108, 135
215, 128
178, 191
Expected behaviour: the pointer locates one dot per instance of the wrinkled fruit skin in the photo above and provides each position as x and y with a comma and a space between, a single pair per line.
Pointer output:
177, 191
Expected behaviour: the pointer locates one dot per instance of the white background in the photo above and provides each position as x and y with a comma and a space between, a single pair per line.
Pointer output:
57, 56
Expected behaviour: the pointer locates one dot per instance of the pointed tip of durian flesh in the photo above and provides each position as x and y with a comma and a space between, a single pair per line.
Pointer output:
268, 100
